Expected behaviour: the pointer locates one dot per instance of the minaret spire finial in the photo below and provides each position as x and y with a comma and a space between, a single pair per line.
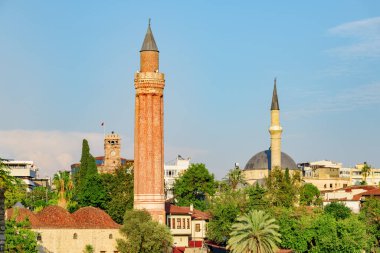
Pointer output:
275, 105
149, 43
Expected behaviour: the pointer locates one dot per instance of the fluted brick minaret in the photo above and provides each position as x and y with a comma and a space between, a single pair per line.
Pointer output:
275, 131
149, 132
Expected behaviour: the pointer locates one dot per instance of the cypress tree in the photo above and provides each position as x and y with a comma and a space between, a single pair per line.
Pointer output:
87, 165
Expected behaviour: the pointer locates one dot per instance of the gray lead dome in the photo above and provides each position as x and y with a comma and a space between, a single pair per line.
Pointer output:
262, 161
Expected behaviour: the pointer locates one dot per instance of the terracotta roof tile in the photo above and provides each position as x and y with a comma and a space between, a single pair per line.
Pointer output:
195, 214
58, 217
91, 217
374, 192
20, 214
55, 217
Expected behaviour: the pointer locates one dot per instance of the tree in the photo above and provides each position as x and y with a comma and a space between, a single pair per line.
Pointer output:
309, 195
87, 166
256, 197
338, 210
224, 209
39, 197
366, 170
14, 189
119, 189
19, 237
282, 189
142, 234
370, 215
193, 186
254, 232
344, 236
64, 185
234, 178
93, 192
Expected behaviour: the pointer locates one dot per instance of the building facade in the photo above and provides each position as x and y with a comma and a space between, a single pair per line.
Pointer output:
172, 171
149, 132
59, 231
24, 170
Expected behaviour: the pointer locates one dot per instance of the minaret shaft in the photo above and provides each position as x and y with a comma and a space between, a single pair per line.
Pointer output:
149, 126
275, 131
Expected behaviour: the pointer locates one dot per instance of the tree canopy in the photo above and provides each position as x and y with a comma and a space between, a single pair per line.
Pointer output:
142, 234
193, 186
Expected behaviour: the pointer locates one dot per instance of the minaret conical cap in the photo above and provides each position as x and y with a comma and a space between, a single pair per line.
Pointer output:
275, 105
149, 43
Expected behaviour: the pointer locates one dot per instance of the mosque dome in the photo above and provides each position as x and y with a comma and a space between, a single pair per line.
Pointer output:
262, 161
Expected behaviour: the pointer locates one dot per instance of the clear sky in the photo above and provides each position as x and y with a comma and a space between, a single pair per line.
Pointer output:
67, 66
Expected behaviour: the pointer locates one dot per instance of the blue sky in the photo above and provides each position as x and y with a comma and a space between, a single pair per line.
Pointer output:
67, 66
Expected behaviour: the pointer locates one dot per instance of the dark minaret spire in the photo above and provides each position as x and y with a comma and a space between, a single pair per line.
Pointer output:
149, 43
275, 105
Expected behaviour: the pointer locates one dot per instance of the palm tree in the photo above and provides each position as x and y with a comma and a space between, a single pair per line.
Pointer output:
64, 185
366, 170
255, 232
235, 177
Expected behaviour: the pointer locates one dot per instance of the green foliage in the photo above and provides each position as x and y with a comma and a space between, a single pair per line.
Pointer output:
88, 249
39, 197
193, 187
93, 192
282, 189
235, 178
295, 228
142, 234
87, 166
254, 232
15, 193
256, 197
19, 237
224, 210
366, 170
333, 235
337, 210
309, 195
119, 188
370, 215
64, 187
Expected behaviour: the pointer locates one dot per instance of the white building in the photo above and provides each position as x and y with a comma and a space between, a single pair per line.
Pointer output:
25, 170
187, 225
172, 170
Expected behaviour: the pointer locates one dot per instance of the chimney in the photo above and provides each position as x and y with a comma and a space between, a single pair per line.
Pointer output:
191, 208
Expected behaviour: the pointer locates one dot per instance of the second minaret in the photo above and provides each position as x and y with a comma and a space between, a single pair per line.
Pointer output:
275, 131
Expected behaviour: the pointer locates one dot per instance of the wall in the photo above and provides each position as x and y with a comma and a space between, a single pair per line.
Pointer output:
61, 240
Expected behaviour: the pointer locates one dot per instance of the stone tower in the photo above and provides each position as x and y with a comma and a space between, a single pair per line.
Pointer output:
275, 131
149, 132
112, 158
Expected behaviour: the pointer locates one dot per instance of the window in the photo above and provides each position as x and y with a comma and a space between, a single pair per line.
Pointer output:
75, 236
197, 227
183, 223
330, 185
39, 237
102, 251
188, 223
178, 223
324, 186
110, 236
168, 223
173, 223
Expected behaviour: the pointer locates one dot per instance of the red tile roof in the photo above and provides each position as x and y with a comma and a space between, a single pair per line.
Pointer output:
58, 217
374, 192
91, 217
185, 210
